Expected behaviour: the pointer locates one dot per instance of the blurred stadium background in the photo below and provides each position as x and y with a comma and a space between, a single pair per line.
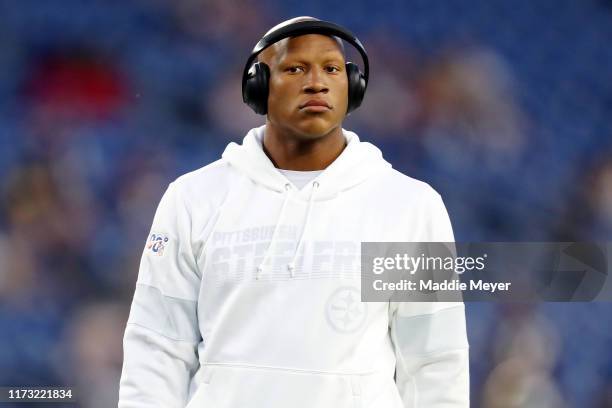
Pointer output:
505, 107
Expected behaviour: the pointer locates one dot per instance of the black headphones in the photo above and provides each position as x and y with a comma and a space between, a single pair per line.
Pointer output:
255, 77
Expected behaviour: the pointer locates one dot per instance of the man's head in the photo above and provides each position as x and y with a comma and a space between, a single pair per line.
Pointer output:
308, 85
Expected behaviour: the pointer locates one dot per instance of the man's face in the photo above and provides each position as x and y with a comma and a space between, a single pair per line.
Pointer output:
306, 70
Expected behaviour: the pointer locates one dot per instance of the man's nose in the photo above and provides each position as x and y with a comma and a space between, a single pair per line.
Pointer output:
315, 82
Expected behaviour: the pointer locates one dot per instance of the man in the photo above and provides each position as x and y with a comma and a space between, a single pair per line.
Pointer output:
248, 288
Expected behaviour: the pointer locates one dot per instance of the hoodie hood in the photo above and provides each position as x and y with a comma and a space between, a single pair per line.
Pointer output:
357, 162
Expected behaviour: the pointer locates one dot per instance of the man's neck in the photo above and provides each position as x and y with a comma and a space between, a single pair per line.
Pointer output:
291, 152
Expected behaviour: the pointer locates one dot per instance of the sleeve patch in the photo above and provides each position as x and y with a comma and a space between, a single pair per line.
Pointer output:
156, 243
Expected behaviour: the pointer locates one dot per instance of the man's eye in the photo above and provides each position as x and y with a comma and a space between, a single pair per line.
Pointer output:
331, 68
295, 69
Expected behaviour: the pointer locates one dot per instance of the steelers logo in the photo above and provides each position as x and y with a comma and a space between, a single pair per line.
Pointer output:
344, 310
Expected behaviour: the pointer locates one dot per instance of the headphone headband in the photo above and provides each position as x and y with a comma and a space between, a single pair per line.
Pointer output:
308, 27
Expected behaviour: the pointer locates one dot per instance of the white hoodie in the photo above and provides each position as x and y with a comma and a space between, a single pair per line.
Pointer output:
248, 293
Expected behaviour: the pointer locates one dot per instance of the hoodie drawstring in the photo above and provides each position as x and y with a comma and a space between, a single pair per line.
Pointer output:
290, 265
278, 221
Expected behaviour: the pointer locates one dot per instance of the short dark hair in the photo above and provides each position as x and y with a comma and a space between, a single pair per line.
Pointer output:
303, 18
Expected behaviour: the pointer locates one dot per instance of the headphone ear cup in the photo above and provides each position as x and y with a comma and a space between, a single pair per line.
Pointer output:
255, 88
357, 86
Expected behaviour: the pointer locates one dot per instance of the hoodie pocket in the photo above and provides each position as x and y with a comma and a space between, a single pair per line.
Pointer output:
257, 387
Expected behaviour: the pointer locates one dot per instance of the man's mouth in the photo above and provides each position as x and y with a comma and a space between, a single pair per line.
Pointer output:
315, 105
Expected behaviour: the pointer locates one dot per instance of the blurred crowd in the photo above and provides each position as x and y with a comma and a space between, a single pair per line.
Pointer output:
504, 107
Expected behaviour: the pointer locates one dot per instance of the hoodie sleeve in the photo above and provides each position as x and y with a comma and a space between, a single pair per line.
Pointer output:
430, 339
161, 337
